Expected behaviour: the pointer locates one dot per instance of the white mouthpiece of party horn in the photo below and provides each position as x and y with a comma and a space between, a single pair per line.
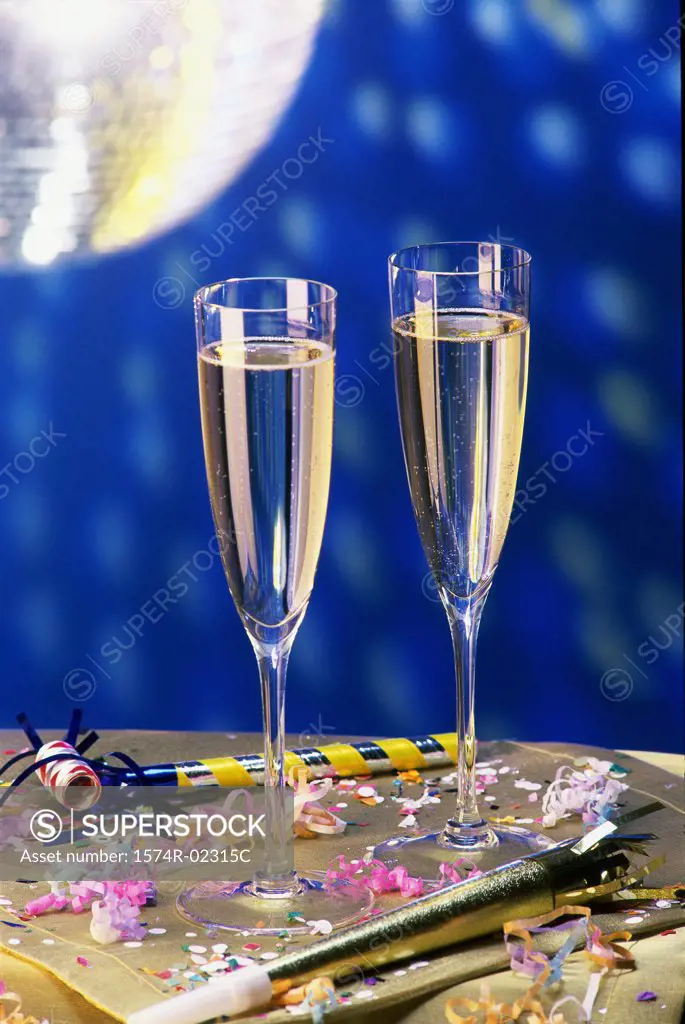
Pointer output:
248, 988
77, 784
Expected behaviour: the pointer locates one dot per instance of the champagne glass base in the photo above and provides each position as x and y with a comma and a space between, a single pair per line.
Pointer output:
232, 906
422, 852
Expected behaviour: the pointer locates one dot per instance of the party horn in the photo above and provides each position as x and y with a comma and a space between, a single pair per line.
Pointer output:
534, 885
367, 757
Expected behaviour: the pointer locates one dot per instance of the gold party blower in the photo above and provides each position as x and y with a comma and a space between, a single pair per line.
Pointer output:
577, 871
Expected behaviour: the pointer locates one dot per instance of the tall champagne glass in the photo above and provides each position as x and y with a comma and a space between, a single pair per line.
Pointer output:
460, 322
266, 354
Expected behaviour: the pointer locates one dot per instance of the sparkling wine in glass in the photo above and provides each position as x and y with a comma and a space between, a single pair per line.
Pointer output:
460, 323
266, 356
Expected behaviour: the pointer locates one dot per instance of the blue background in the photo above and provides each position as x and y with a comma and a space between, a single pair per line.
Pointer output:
492, 119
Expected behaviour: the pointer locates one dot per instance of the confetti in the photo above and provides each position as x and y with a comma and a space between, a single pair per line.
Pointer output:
645, 997
322, 927
215, 967
83, 962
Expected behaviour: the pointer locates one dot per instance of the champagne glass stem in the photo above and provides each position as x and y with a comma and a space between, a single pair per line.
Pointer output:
276, 879
467, 826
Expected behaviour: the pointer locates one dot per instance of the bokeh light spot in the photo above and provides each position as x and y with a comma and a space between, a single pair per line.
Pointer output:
566, 24
652, 168
371, 109
617, 301
578, 553
623, 16
492, 20
299, 225
556, 133
629, 406
429, 126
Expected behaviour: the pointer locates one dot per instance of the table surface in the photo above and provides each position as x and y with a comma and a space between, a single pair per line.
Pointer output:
46, 997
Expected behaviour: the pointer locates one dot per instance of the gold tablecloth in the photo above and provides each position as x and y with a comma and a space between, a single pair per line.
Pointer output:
417, 997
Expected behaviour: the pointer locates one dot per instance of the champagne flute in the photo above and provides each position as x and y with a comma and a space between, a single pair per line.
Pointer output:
266, 351
460, 322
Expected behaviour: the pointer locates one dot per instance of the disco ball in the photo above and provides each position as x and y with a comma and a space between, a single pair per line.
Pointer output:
121, 118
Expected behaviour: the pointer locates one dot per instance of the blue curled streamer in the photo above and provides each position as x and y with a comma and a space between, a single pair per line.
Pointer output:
557, 960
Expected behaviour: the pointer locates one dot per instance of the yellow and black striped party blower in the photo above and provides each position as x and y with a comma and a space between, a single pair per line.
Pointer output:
341, 760
331, 760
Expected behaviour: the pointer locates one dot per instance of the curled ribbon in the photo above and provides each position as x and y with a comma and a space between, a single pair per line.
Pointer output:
590, 792
450, 876
317, 996
310, 816
602, 951
376, 876
14, 1016
115, 906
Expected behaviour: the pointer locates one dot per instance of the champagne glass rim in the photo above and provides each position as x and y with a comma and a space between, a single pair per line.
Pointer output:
523, 258
201, 299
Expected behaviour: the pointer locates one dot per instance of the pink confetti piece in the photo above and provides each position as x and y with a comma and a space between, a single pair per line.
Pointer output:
83, 962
